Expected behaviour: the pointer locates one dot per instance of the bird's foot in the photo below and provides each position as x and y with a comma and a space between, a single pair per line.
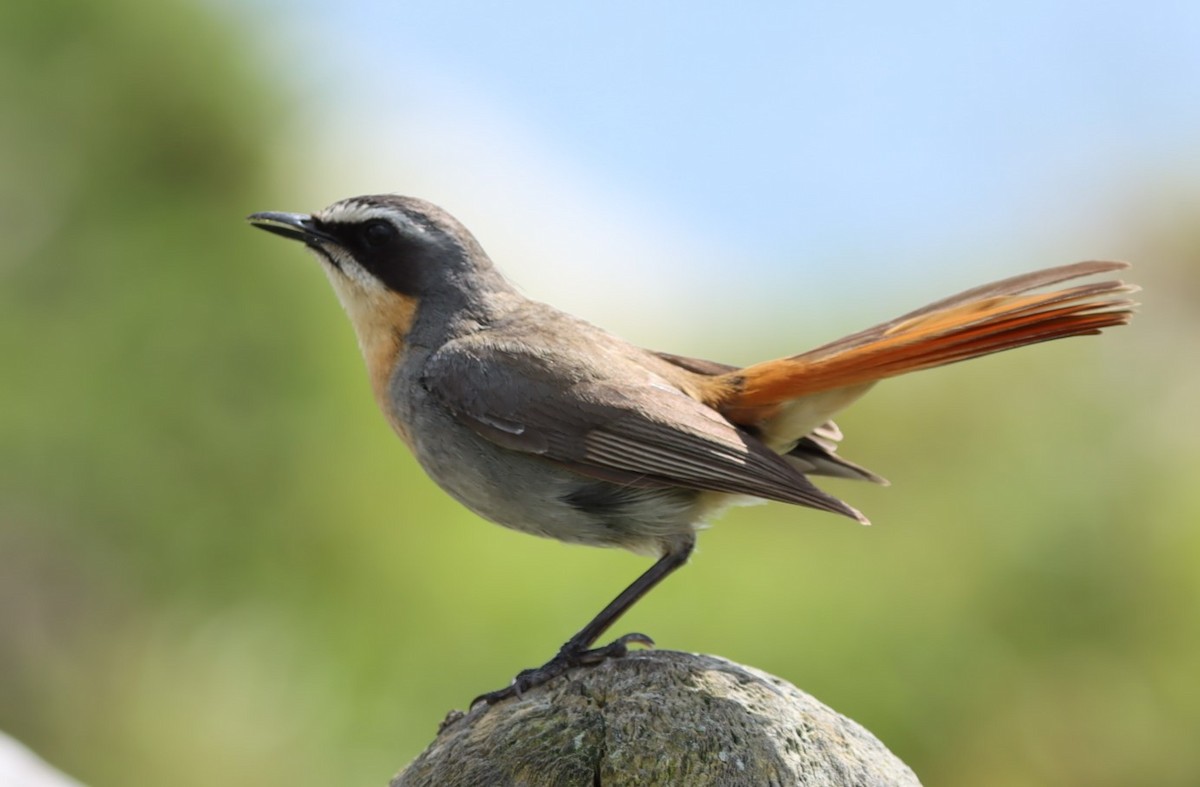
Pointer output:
567, 658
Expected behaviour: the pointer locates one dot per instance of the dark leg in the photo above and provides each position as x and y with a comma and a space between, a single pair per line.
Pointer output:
578, 651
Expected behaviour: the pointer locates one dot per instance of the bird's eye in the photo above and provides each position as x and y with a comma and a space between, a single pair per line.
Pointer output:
378, 233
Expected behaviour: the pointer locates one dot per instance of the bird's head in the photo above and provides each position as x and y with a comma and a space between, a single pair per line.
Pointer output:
394, 262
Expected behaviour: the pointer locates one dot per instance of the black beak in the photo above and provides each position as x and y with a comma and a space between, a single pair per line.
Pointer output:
297, 226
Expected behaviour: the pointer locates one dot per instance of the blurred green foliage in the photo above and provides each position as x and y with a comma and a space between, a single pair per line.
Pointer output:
217, 565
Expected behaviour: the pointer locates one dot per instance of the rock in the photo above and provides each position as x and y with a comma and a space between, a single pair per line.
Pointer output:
657, 718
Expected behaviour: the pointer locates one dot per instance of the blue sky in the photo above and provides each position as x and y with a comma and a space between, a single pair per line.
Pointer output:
834, 139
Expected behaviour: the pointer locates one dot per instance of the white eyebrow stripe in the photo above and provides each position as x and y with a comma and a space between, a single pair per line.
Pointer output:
351, 212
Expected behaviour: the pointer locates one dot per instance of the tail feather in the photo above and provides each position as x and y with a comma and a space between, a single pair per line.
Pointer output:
980, 321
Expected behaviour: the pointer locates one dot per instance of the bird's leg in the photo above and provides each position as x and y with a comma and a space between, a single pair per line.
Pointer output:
578, 650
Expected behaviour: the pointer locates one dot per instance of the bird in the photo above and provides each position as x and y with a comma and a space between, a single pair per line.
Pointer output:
545, 423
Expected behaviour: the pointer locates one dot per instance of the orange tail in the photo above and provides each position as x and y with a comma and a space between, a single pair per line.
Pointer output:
983, 320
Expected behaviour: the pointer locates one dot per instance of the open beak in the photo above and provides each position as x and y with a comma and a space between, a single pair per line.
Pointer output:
297, 226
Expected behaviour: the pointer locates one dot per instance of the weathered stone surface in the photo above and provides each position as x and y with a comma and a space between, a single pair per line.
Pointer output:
658, 718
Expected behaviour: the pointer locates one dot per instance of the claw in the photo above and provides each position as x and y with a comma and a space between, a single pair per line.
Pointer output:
613, 650
564, 660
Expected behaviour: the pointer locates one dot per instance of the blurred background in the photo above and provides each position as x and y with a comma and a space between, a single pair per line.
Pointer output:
217, 565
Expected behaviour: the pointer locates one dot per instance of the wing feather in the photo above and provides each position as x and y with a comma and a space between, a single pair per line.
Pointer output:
637, 428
